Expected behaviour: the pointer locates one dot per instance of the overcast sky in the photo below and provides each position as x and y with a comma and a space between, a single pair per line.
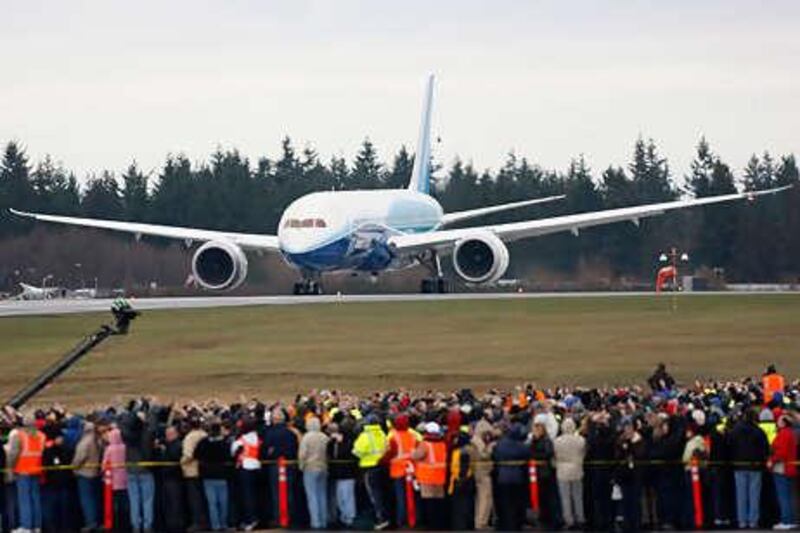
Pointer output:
97, 84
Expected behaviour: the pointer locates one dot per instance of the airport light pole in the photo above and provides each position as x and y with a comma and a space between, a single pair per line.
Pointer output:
673, 258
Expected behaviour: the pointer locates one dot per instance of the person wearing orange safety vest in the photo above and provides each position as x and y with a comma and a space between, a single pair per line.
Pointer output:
772, 382
26, 446
430, 465
247, 452
402, 441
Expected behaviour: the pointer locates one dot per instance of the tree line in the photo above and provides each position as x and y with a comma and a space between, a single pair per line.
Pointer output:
758, 242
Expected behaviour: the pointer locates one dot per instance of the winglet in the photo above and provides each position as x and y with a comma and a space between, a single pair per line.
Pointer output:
420, 175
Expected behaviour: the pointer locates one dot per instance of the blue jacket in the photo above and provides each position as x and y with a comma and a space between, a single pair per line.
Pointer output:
511, 448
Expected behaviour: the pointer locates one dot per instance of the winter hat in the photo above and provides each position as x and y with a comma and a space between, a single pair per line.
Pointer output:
766, 416
432, 428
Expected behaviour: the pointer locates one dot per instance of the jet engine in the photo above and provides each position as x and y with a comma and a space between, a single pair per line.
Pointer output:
219, 265
480, 258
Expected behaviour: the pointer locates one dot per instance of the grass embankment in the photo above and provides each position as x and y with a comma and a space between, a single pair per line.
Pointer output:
276, 351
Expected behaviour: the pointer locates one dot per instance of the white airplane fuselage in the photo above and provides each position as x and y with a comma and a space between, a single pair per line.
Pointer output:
348, 230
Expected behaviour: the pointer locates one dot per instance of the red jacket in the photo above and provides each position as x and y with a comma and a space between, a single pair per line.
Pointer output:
784, 450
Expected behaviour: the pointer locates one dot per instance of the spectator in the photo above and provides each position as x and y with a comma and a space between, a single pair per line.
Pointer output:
542, 452
26, 446
772, 383
4, 518
430, 465
214, 454
461, 486
191, 475
312, 460
402, 441
280, 442
661, 380
667, 451
114, 462
171, 451
783, 462
342, 470
86, 463
629, 452
570, 450
137, 434
56, 514
600, 450
483, 441
749, 451
511, 456
247, 451
370, 447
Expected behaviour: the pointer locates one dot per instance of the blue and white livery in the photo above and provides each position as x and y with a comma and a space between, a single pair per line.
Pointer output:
379, 230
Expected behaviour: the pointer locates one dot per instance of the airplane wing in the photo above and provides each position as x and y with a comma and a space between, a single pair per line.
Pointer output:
248, 241
443, 240
458, 216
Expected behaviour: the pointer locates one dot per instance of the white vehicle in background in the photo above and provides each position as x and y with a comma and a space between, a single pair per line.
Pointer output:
375, 231
30, 292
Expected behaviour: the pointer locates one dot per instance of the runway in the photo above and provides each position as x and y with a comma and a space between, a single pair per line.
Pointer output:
10, 308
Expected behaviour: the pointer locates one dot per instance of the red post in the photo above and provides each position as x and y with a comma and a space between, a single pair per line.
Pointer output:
533, 479
283, 493
411, 502
108, 498
697, 494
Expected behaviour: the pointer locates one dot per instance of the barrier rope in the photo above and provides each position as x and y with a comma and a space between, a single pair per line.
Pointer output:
294, 462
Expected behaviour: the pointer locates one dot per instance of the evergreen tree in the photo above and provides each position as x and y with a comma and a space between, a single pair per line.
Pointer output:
16, 190
174, 193
55, 191
135, 198
367, 169
400, 174
102, 198
340, 174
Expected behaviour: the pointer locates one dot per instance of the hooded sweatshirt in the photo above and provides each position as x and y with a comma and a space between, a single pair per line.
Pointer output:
570, 450
114, 458
313, 453
87, 453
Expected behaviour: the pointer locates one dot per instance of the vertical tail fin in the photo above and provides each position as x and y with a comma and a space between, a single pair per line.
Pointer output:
420, 175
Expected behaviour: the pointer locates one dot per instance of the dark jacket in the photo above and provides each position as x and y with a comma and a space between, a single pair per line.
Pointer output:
749, 448
542, 452
511, 448
629, 454
172, 452
279, 441
214, 455
55, 456
138, 437
600, 443
342, 463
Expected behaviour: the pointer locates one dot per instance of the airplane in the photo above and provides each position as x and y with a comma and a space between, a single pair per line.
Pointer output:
374, 231
30, 292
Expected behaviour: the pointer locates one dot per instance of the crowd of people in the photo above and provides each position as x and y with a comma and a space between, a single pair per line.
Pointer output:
603, 459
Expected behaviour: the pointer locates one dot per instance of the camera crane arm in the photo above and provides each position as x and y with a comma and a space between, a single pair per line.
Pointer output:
123, 315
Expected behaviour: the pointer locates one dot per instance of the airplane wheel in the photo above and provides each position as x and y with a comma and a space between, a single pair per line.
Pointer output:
426, 287
442, 286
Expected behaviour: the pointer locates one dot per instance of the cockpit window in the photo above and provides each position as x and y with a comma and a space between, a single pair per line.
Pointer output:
305, 223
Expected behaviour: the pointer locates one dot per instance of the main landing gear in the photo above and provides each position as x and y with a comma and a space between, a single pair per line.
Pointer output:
437, 284
307, 287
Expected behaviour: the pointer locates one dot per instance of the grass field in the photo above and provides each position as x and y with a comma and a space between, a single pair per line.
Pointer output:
276, 351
